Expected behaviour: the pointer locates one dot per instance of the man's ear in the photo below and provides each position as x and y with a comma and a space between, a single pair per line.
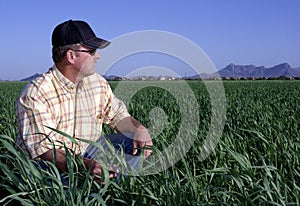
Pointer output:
70, 56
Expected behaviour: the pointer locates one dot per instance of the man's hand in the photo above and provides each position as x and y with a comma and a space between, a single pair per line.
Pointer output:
142, 139
95, 166
96, 169
141, 135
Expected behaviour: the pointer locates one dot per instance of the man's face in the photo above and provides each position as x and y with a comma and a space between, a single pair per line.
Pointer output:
86, 60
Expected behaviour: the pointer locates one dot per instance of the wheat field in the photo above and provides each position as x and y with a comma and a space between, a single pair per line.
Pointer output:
255, 162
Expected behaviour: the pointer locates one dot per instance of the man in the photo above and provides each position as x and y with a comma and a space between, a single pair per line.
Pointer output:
72, 98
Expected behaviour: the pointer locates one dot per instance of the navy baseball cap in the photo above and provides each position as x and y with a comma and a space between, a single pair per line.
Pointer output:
73, 32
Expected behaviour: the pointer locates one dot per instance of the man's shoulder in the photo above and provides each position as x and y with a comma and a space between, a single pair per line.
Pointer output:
38, 84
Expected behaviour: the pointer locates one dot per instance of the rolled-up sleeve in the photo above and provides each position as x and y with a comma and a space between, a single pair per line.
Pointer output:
32, 115
114, 110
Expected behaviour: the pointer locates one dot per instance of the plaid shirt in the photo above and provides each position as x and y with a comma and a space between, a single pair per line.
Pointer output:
77, 110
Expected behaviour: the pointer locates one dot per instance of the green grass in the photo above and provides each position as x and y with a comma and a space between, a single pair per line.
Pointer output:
256, 161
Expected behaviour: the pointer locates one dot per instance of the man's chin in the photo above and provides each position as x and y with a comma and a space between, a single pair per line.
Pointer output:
83, 75
89, 73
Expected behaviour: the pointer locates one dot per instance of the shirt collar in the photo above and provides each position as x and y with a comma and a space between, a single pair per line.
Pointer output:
66, 83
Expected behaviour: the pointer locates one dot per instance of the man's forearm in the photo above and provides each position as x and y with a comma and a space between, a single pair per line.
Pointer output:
141, 135
129, 124
61, 161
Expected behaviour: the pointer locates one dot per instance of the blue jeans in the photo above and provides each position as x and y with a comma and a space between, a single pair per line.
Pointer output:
118, 140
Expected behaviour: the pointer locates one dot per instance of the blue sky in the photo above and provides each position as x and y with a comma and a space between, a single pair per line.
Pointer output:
259, 32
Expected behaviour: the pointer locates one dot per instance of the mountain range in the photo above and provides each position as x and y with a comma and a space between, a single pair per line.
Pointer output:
233, 71
245, 71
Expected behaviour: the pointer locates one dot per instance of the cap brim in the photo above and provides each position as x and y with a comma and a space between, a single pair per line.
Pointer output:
96, 43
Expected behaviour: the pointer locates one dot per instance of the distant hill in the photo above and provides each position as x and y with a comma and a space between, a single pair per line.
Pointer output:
252, 71
111, 77
239, 71
31, 77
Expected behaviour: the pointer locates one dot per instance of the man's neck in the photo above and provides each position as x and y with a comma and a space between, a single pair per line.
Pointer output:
69, 72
